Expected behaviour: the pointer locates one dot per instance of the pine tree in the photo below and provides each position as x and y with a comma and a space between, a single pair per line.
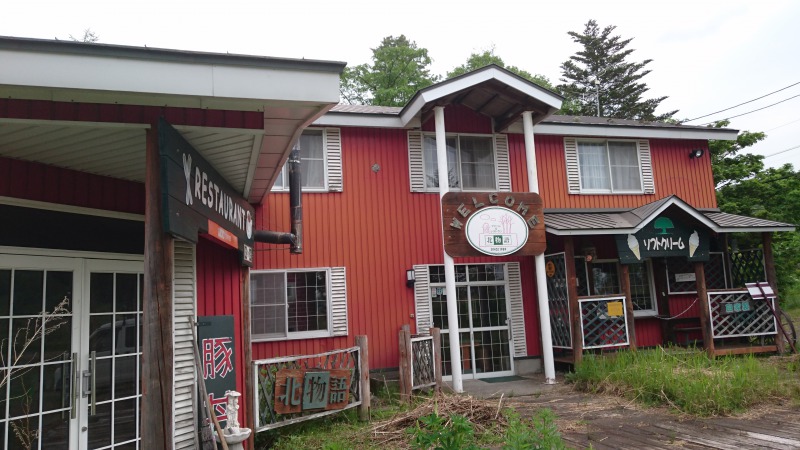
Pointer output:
600, 75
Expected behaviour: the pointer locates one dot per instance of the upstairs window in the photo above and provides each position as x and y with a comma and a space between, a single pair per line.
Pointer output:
321, 162
470, 162
608, 166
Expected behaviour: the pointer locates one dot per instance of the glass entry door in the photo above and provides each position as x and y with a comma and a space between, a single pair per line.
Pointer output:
483, 321
69, 366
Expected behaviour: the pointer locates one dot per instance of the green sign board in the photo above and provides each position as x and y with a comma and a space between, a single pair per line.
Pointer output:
197, 199
218, 356
663, 237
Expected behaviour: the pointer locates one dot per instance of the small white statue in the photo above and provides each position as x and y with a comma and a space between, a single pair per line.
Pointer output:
232, 411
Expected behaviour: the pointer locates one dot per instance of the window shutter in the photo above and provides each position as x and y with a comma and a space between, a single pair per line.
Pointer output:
333, 150
503, 164
573, 173
338, 302
415, 161
422, 300
517, 314
183, 294
648, 185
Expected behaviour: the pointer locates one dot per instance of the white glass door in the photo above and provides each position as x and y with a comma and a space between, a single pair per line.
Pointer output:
59, 319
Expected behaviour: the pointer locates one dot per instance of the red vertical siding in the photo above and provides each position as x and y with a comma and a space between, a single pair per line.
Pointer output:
219, 293
673, 173
648, 332
377, 229
40, 182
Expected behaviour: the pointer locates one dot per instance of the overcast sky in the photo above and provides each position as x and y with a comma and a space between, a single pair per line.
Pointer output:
707, 55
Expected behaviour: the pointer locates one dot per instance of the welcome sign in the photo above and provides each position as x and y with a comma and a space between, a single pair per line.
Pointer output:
197, 199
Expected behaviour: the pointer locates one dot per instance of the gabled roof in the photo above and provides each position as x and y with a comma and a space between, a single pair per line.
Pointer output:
630, 221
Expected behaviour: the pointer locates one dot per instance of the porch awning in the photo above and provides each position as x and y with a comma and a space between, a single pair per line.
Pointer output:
618, 221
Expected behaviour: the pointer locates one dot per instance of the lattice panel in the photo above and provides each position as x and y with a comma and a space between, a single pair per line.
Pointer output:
758, 321
423, 368
747, 266
600, 329
266, 372
558, 299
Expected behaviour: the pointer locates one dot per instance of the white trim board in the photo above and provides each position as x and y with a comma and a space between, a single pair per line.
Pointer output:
35, 204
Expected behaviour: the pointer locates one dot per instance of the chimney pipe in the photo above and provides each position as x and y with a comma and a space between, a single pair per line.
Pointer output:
295, 238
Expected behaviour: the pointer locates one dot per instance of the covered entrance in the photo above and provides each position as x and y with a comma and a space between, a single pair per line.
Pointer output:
72, 377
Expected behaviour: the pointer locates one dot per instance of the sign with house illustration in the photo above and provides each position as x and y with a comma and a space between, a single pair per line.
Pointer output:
663, 237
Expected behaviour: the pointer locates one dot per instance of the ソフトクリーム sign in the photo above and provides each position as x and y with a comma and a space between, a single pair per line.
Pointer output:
493, 223
197, 199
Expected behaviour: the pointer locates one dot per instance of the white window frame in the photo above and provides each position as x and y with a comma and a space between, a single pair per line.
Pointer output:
284, 174
611, 189
458, 161
296, 335
649, 267
654, 310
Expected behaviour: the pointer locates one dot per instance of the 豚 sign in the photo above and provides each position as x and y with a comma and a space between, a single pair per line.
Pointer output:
198, 199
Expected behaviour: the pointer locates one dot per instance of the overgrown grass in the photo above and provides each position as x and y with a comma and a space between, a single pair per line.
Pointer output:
686, 380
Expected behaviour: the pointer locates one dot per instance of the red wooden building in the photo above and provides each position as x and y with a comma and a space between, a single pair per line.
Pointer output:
83, 219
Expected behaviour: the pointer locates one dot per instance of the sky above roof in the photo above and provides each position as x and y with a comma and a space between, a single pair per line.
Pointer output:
707, 55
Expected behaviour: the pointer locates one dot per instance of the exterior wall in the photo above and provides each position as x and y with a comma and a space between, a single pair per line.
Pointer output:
219, 293
40, 182
378, 229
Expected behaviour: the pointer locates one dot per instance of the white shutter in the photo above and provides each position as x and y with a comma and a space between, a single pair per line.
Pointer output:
416, 169
573, 172
517, 313
422, 300
503, 163
648, 185
183, 301
338, 302
333, 150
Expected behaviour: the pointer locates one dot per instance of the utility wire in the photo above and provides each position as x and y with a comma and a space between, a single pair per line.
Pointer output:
755, 110
740, 104
782, 151
781, 126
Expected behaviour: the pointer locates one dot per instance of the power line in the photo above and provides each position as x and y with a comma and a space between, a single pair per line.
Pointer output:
755, 110
740, 104
782, 151
781, 126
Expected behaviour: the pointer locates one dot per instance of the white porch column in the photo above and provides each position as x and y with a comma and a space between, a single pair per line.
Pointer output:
449, 265
541, 281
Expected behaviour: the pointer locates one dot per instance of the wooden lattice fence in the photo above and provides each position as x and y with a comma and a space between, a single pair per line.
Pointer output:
604, 322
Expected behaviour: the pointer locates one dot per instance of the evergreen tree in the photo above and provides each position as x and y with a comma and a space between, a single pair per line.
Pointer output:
600, 74
399, 69
479, 60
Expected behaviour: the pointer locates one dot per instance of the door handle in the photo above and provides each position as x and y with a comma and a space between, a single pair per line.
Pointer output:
89, 382
75, 372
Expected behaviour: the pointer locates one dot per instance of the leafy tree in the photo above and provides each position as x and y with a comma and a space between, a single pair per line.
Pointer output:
88, 36
600, 73
479, 60
772, 194
728, 165
398, 70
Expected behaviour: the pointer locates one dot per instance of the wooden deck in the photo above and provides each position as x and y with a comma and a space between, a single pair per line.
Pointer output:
605, 422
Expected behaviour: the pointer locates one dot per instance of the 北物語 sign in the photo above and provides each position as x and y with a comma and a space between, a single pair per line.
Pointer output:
493, 223
197, 199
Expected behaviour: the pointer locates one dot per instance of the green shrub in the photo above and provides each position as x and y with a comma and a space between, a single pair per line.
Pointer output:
439, 434
537, 433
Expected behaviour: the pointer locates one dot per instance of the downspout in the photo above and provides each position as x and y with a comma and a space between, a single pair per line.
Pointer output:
295, 237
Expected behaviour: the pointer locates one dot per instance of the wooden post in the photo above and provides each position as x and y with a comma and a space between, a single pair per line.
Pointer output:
705, 314
405, 364
437, 357
248, 355
625, 281
157, 352
572, 294
366, 395
772, 279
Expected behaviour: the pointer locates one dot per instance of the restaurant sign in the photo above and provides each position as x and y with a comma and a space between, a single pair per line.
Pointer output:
492, 223
663, 237
300, 390
197, 199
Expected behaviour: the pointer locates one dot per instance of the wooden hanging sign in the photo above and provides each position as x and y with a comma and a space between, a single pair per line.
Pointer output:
493, 224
